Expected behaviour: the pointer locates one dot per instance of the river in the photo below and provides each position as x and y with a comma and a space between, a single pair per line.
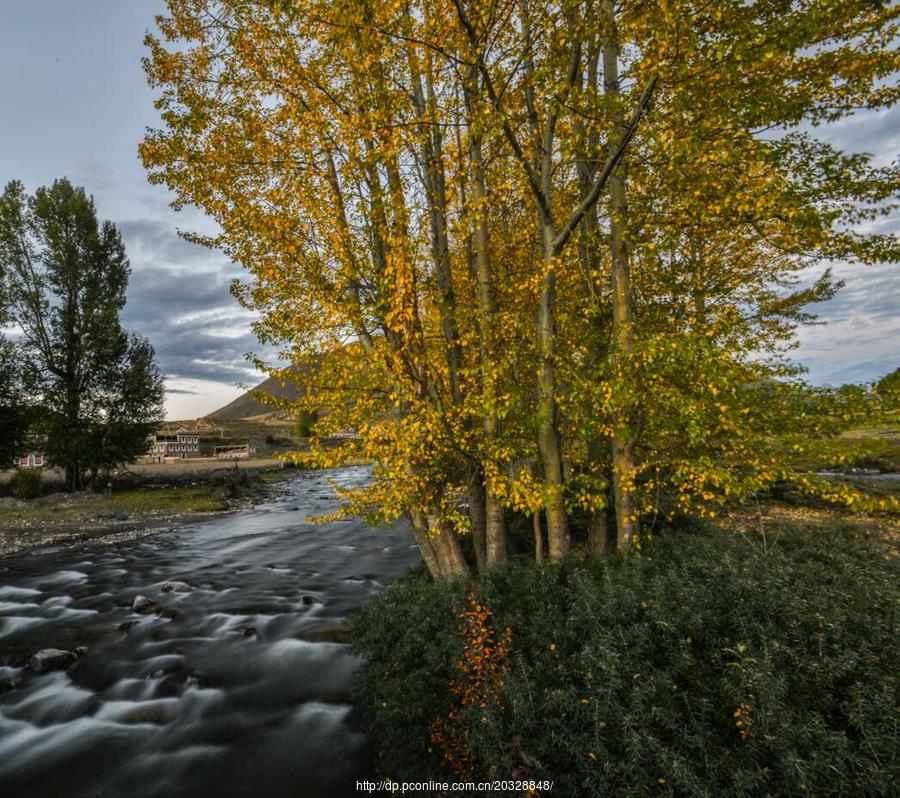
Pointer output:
214, 693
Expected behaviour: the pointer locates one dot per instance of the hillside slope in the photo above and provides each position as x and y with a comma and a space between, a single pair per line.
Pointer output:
248, 405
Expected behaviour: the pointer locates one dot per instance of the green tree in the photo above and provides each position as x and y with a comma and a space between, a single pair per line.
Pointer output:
888, 389
66, 277
15, 410
14, 407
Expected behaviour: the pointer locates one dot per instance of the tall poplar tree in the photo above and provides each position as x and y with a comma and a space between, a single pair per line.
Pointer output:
67, 275
15, 407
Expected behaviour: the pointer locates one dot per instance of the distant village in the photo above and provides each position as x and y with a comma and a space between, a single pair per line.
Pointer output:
185, 444
243, 429
203, 439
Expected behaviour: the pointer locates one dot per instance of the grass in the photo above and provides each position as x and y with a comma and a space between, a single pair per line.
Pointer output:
874, 446
786, 511
83, 508
203, 499
771, 520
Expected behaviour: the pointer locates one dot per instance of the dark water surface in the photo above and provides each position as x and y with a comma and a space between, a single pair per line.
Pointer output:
217, 693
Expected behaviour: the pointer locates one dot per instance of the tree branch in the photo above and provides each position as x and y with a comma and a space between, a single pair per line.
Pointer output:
609, 166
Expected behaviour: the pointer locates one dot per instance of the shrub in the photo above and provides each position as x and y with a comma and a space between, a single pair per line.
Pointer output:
26, 483
704, 665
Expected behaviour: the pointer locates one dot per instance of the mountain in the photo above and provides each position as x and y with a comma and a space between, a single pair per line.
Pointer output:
249, 406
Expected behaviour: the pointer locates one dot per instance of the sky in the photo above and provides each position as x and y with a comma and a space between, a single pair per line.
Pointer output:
74, 102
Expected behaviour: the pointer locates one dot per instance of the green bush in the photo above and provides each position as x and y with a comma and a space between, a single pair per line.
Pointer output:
26, 483
704, 666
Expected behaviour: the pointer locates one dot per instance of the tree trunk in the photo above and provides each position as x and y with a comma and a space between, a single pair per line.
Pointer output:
426, 549
72, 466
627, 527
549, 444
451, 562
495, 530
495, 520
439, 547
589, 242
475, 490
622, 445
598, 533
538, 535
432, 165
598, 526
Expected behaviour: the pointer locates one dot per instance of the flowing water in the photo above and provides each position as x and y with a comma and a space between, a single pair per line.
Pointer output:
218, 692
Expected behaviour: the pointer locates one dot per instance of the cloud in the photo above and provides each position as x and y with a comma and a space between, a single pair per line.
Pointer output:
179, 298
857, 341
854, 349
196, 398
871, 294
157, 240
874, 132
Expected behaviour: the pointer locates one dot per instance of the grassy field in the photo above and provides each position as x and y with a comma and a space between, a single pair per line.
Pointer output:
80, 508
201, 467
876, 447
853, 459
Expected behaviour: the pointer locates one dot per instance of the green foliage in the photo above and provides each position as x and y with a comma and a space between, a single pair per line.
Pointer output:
15, 412
404, 683
888, 388
26, 483
14, 405
65, 276
706, 664
306, 419
126, 410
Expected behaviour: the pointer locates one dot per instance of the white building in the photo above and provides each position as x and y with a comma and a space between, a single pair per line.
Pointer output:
183, 445
242, 451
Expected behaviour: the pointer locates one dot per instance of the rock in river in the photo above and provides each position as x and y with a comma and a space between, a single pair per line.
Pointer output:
51, 659
175, 587
142, 604
331, 634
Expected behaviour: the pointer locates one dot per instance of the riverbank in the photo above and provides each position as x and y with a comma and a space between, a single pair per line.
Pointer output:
158, 502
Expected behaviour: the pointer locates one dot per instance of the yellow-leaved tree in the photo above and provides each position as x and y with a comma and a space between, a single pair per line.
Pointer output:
540, 256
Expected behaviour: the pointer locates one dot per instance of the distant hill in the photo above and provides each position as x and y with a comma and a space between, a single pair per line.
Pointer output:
249, 406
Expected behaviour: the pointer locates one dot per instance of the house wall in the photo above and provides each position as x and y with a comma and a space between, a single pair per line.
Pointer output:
30, 460
183, 446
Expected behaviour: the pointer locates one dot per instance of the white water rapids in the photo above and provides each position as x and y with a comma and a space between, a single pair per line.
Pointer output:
218, 692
